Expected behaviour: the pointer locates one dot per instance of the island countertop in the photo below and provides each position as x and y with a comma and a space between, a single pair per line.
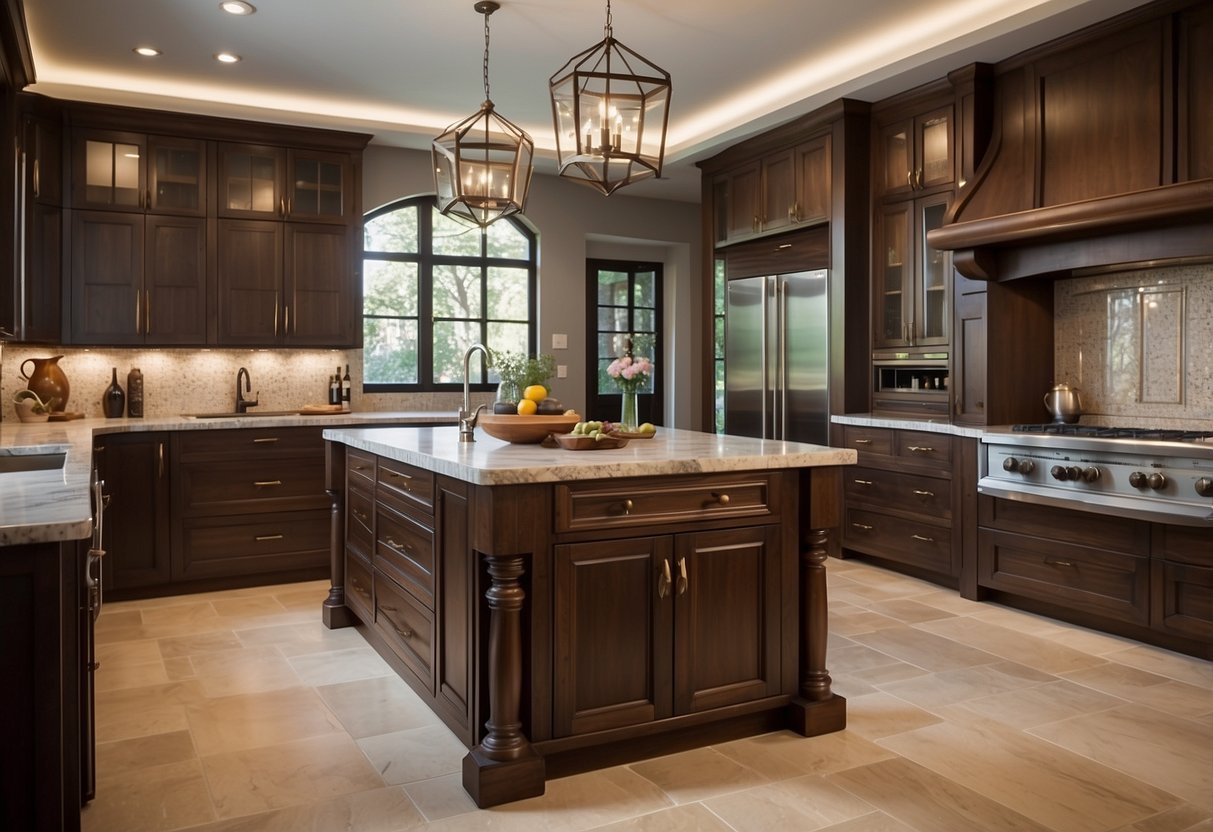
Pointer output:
489, 461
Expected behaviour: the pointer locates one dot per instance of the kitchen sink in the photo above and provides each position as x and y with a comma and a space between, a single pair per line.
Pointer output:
231, 415
32, 458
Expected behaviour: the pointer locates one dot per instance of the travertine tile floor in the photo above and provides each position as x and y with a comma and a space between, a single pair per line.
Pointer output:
239, 711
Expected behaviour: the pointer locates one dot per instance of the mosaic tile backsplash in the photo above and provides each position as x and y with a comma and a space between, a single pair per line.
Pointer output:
182, 381
1138, 345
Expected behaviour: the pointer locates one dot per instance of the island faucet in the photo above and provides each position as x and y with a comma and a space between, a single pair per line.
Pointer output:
243, 404
467, 416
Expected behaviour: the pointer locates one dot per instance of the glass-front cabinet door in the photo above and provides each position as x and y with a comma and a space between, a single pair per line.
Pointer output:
250, 181
108, 170
893, 270
319, 186
931, 308
177, 176
897, 153
933, 137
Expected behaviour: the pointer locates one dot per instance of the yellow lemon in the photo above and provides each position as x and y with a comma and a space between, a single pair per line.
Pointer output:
536, 393
527, 407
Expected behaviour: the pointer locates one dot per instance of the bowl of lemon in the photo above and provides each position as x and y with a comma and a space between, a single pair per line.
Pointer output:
535, 416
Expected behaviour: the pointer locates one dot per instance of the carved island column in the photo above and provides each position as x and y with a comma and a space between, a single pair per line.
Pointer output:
816, 709
334, 613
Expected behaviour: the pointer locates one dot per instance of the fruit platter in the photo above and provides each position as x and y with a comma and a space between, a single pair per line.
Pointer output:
530, 420
592, 436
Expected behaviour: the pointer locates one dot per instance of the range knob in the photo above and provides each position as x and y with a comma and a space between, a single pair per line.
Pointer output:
1090, 474
1010, 464
1027, 466
1059, 472
1073, 472
1204, 487
1137, 479
1157, 481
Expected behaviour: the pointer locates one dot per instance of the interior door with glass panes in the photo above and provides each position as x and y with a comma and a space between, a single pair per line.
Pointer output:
624, 317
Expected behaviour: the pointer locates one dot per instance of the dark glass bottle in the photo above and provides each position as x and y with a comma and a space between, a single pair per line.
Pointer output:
134, 393
346, 389
113, 400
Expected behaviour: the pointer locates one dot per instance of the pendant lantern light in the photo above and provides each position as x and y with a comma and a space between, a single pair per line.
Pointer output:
483, 164
610, 107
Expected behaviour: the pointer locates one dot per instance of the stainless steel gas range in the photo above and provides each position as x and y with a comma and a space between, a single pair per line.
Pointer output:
1164, 476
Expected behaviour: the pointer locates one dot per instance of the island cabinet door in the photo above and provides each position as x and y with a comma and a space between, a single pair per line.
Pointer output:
726, 624
614, 609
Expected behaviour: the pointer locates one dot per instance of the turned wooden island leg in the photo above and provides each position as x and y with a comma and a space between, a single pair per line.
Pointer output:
504, 767
816, 709
333, 612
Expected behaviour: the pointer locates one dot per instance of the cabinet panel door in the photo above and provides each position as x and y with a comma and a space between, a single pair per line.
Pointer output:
895, 155
108, 171
249, 274
969, 365
318, 285
613, 662
813, 194
319, 186
893, 275
175, 300
249, 181
726, 627
932, 311
934, 148
778, 191
744, 208
1196, 93
107, 277
136, 529
43, 279
176, 172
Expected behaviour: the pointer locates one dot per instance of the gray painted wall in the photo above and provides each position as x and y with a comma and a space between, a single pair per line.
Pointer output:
575, 222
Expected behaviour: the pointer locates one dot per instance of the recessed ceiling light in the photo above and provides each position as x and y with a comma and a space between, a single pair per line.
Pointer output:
237, 7
226, 58
146, 51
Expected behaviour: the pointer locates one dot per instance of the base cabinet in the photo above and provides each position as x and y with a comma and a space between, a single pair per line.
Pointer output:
136, 532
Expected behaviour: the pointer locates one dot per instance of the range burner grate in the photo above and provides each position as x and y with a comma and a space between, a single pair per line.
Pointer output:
1105, 432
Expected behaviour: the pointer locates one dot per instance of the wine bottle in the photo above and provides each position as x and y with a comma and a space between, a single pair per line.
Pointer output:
335, 389
134, 393
113, 400
345, 389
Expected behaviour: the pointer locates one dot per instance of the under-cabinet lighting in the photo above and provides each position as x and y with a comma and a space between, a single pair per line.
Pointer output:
147, 51
238, 7
227, 58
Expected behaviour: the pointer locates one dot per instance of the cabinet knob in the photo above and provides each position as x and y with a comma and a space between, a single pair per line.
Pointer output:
723, 499
628, 505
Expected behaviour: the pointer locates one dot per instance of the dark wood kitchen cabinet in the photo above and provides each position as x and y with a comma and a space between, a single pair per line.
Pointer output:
780, 191
268, 182
123, 171
655, 627
249, 502
136, 532
915, 153
912, 291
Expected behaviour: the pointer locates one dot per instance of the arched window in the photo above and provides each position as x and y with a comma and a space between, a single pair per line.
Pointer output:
432, 287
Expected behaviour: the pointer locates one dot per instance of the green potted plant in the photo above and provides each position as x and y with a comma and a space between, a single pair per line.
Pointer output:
30, 408
517, 371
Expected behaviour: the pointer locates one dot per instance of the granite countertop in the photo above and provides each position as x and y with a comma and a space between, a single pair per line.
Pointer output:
489, 461
54, 505
907, 423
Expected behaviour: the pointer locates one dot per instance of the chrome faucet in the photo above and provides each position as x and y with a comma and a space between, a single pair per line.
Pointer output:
467, 416
243, 404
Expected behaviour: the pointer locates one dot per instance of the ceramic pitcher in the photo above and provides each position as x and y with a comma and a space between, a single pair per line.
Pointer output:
47, 380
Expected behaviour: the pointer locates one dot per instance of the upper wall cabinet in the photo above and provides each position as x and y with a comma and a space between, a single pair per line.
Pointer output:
259, 182
116, 171
916, 154
783, 190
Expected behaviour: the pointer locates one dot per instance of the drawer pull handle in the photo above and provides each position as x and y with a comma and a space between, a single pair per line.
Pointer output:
664, 582
361, 515
1055, 562
924, 493
863, 527
723, 499
863, 441
923, 538
266, 483
628, 505
921, 449
864, 483
682, 576
406, 632
361, 467
359, 589
399, 547
265, 439
396, 475
264, 537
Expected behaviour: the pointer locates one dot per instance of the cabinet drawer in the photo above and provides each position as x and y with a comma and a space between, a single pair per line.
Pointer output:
360, 521
1184, 544
217, 547
1083, 528
248, 486
401, 484
927, 496
1081, 577
868, 440
924, 446
897, 539
1182, 600
404, 548
360, 469
358, 588
633, 502
242, 443
407, 627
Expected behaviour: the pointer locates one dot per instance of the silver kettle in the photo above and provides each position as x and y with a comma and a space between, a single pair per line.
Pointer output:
1063, 403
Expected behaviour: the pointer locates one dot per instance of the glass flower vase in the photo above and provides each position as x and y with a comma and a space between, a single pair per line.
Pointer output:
627, 415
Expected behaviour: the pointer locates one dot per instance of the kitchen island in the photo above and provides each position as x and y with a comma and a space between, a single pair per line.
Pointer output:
563, 610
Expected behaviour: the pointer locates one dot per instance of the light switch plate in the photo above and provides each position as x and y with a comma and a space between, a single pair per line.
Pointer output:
560, 341
562, 371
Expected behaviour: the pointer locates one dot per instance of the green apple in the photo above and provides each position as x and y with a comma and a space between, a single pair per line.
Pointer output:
647, 427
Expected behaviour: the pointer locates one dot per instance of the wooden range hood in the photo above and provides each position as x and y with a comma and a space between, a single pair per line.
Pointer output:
1100, 152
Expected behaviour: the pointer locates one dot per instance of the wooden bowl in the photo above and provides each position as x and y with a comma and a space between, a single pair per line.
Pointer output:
525, 430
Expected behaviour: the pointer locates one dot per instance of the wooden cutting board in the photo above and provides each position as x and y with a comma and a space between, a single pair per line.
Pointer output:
319, 409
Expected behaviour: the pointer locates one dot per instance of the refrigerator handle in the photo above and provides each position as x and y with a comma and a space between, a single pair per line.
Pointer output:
763, 359
781, 382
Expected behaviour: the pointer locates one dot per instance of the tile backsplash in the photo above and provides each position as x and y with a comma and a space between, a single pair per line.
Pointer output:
177, 381
1139, 344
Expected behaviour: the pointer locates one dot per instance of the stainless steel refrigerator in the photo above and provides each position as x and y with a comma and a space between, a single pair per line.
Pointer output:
776, 351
